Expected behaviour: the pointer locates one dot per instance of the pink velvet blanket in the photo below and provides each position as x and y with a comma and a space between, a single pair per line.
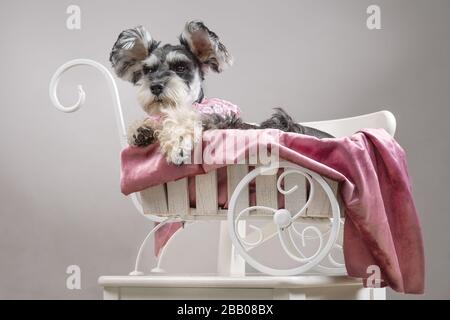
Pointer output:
381, 226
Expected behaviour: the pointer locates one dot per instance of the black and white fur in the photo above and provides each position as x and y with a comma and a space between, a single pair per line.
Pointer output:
169, 80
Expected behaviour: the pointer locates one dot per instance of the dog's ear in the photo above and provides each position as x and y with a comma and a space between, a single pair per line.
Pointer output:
206, 46
131, 48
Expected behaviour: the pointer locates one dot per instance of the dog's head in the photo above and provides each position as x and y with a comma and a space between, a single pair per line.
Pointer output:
168, 75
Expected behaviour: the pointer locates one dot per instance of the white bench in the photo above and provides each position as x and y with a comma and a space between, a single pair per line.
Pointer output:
172, 199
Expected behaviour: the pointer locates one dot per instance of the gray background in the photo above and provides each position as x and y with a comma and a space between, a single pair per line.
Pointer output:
60, 202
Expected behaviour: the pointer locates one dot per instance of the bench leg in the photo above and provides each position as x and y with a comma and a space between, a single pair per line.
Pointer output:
229, 262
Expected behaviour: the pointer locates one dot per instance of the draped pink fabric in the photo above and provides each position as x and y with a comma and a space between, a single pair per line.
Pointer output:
381, 226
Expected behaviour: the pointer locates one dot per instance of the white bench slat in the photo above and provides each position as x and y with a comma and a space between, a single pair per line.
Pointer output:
178, 195
295, 201
320, 205
154, 200
267, 192
206, 193
235, 173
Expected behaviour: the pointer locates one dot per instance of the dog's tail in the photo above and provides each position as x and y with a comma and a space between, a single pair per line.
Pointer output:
284, 122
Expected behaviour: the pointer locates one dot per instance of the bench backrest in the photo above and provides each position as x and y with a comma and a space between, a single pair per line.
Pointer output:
346, 126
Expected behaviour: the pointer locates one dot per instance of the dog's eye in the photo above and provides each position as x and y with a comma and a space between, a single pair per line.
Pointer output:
180, 68
147, 69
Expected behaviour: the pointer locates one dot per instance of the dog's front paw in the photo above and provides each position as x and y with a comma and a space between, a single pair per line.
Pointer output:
141, 136
180, 151
180, 132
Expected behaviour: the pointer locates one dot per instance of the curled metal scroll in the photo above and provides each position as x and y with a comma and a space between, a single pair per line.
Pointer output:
286, 233
53, 92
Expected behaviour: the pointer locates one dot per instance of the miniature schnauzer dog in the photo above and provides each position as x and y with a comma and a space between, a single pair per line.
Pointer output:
169, 80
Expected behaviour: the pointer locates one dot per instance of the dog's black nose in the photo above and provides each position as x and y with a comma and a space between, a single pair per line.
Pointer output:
156, 89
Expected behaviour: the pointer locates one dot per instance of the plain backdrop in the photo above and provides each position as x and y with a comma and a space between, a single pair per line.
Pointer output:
60, 202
